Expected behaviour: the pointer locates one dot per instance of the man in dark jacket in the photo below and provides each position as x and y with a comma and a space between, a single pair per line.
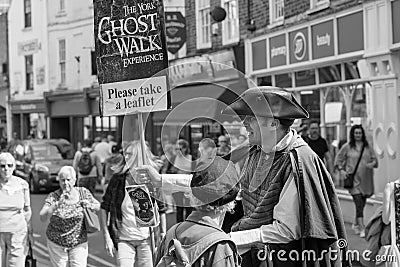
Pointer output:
289, 199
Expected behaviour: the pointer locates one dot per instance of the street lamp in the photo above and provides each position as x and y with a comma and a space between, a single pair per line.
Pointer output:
4, 7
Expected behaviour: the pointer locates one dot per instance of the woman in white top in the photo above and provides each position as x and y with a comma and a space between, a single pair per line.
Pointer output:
118, 220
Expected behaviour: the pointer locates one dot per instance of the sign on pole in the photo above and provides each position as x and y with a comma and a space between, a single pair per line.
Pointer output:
131, 56
175, 25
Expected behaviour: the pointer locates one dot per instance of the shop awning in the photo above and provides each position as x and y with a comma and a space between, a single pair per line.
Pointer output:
201, 102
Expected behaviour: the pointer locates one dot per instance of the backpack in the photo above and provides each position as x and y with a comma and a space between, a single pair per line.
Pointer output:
178, 255
85, 163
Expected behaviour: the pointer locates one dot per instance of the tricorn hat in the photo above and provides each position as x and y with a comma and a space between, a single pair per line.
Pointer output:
215, 181
267, 101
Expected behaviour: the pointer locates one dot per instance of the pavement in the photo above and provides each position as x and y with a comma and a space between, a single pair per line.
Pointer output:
355, 242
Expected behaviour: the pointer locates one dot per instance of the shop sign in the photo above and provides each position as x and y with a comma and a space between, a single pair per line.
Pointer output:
350, 33
322, 40
396, 21
259, 54
175, 27
277, 51
131, 56
29, 47
298, 45
28, 107
205, 68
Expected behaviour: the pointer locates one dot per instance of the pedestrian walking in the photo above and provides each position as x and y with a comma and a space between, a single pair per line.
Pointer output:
110, 163
214, 188
357, 158
66, 232
88, 167
289, 199
15, 214
223, 146
122, 236
318, 144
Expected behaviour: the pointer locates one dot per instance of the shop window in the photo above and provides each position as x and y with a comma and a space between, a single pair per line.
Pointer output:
276, 12
28, 13
311, 102
283, 80
106, 124
330, 74
62, 60
203, 24
29, 72
230, 25
351, 71
93, 61
305, 78
264, 81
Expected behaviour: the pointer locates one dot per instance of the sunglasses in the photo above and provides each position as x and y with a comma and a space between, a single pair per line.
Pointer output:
9, 165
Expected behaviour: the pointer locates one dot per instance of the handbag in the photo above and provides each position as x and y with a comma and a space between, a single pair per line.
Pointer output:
91, 219
30, 261
349, 179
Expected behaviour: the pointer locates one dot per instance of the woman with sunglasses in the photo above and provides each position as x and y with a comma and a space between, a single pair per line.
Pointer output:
66, 232
15, 214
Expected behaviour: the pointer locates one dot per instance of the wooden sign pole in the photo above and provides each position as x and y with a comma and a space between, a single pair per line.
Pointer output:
144, 158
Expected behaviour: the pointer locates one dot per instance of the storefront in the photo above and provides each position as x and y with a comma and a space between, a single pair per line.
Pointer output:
344, 69
74, 115
29, 118
201, 87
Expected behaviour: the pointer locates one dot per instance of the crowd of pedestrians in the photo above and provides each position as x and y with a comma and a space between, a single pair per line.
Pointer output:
229, 202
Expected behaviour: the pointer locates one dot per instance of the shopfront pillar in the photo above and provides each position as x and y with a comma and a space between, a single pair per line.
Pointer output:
322, 99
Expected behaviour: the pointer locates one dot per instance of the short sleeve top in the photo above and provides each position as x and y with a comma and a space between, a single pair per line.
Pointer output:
67, 227
14, 196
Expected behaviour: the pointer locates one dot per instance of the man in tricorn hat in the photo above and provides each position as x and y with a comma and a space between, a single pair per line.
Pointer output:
288, 196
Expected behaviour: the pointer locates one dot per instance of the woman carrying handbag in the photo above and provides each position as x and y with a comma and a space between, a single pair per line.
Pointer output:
356, 159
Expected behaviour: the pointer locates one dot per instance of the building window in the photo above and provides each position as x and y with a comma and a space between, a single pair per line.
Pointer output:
276, 12
93, 61
203, 24
62, 57
28, 13
230, 25
29, 72
62, 5
319, 4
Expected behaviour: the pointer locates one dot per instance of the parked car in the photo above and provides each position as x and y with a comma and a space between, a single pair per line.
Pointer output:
39, 160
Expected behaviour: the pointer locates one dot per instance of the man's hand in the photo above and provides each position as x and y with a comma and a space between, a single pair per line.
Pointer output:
146, 174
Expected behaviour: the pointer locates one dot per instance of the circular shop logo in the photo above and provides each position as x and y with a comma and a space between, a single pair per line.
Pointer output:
299, 46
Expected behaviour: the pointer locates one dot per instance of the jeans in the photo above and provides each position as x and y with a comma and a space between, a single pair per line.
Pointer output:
134, 253
359, 201
72, 257
89, 183
13, 248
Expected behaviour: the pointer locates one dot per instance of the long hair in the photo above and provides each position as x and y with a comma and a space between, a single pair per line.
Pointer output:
352, 142
131, 161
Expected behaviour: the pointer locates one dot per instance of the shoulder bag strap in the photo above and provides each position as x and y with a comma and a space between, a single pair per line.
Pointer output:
299, 180
358, 161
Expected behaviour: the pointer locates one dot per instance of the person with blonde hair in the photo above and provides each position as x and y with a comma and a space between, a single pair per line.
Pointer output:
15, 214
66, 232
118, 219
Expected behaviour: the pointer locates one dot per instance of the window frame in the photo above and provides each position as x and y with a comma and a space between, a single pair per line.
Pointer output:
201, 40
27, 13
273, 19
62, 56
226, 39
29, 80
316, 5
61, 6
